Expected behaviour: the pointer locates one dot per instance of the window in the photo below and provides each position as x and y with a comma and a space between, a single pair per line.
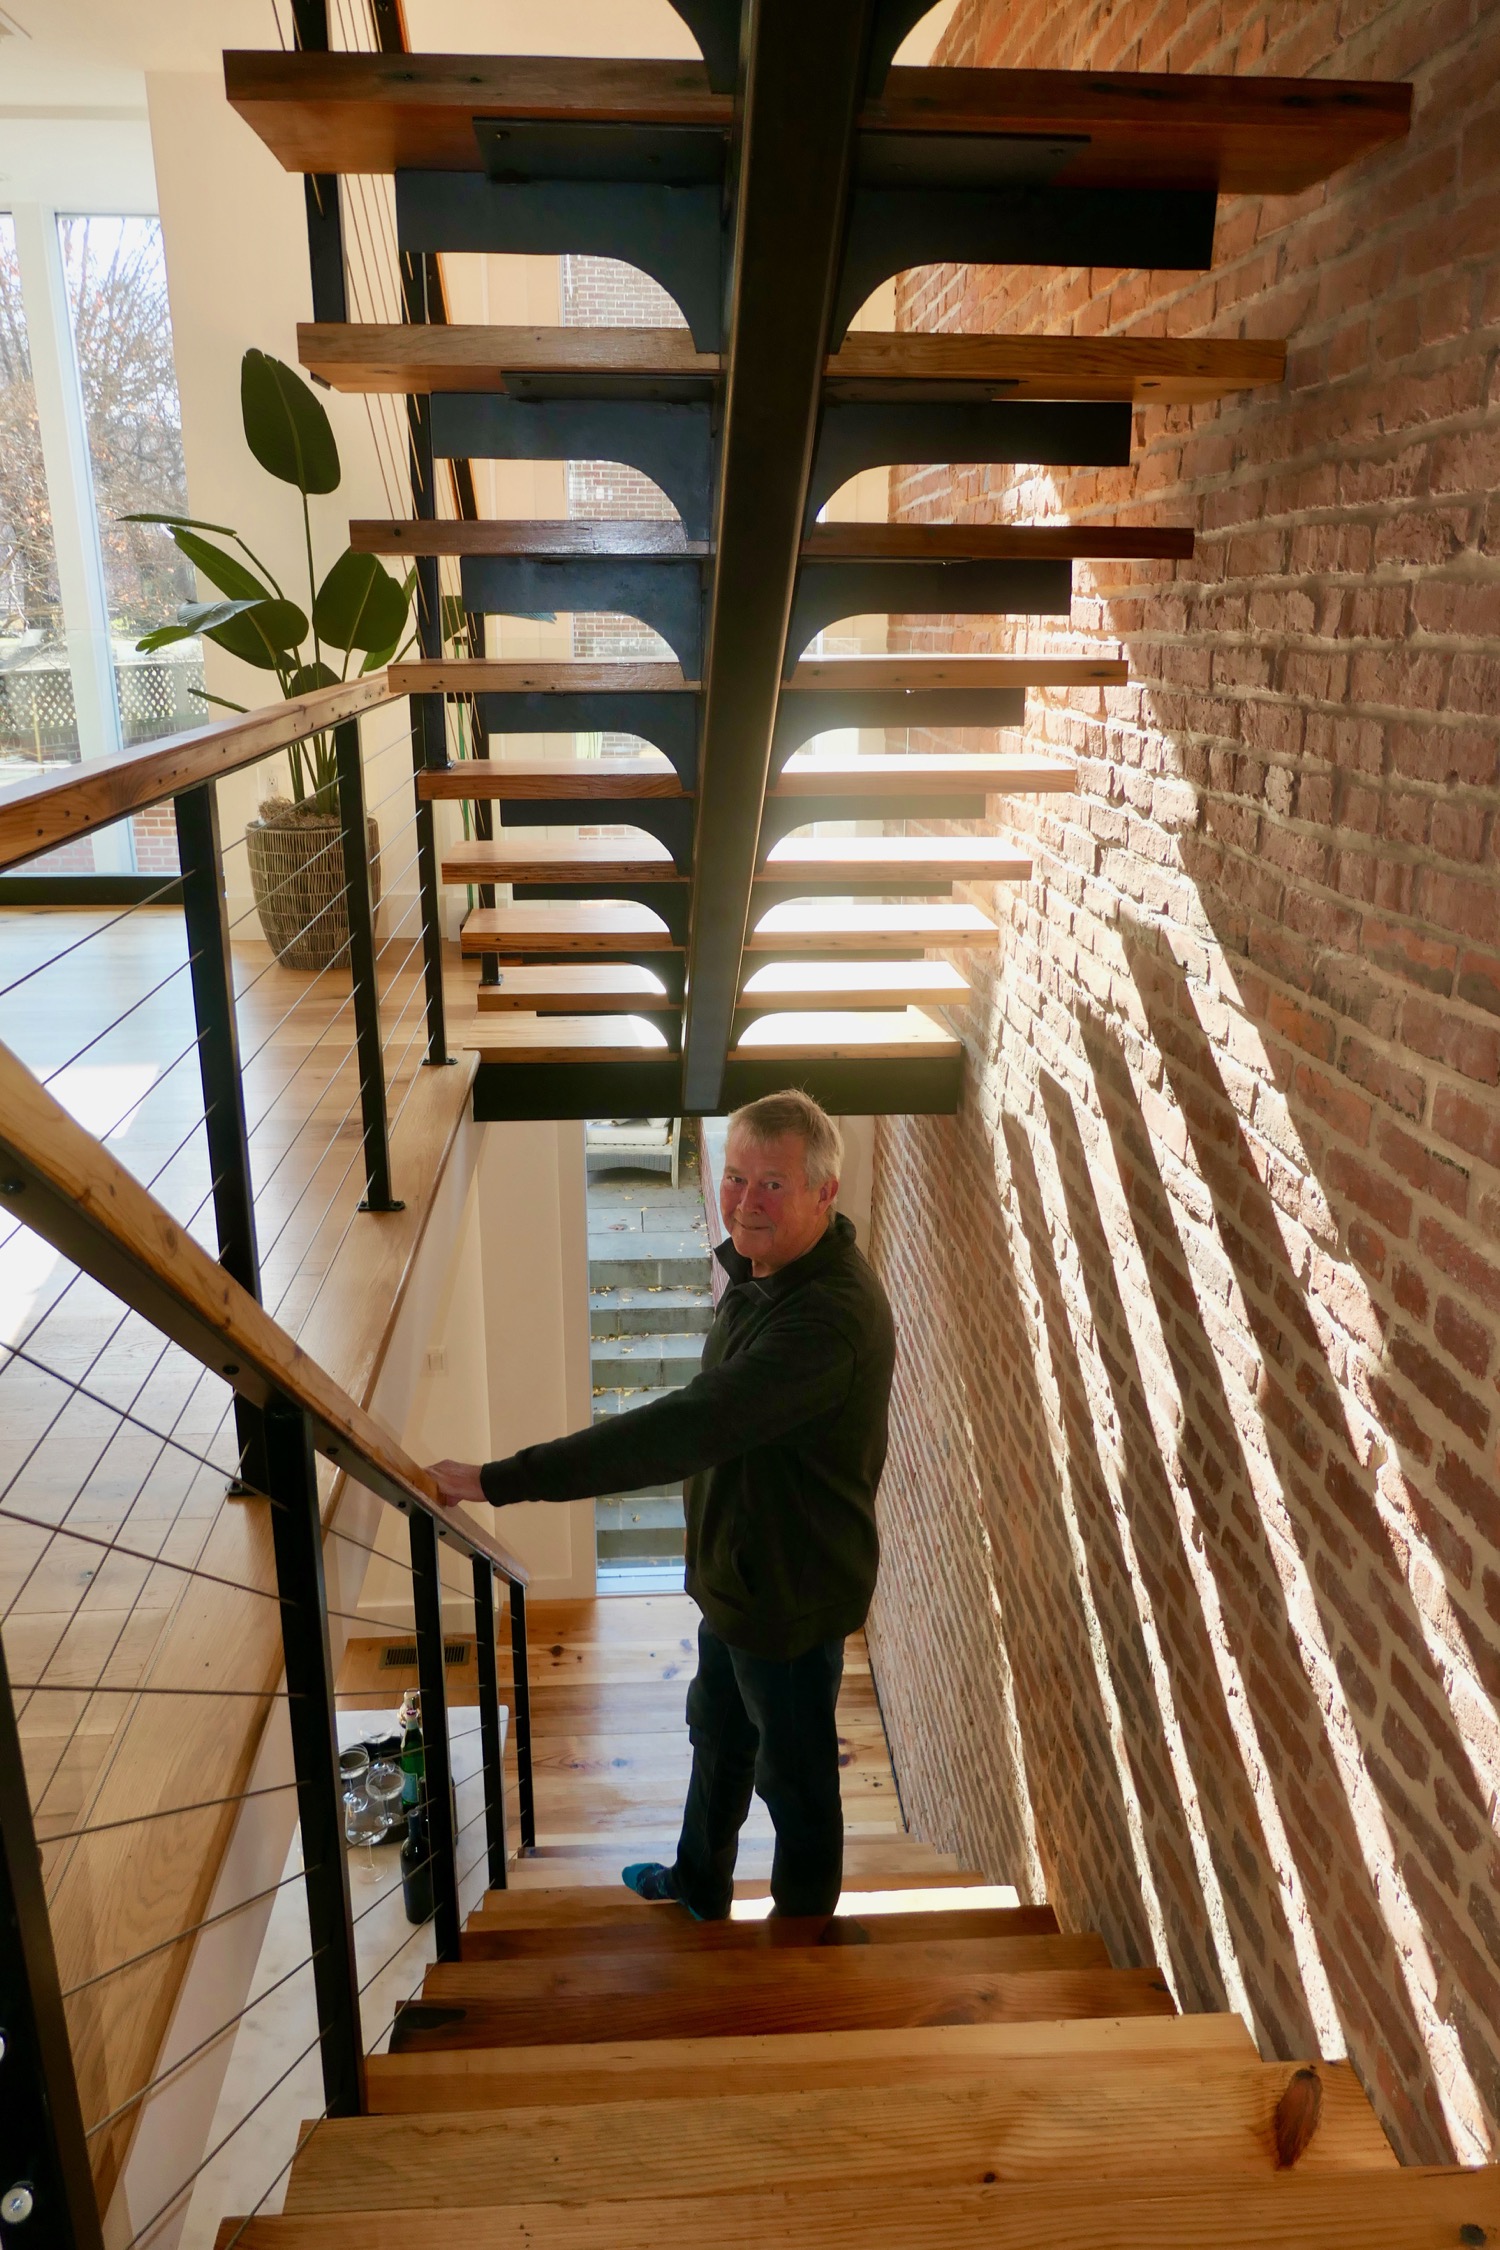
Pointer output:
37, 722
116, 280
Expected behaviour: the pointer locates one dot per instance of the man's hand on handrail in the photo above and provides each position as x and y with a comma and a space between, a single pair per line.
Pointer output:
458, 1484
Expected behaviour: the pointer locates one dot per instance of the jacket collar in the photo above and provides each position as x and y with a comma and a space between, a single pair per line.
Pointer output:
830, 1249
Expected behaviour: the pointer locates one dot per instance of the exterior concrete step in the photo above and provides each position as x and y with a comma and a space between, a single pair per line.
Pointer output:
632, 1361
638, 1261
635, 1312
608, 1402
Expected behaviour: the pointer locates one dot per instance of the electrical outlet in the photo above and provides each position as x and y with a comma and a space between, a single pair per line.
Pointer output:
436, 1361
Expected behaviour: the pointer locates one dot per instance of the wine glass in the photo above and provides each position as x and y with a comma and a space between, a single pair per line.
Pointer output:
383, 1784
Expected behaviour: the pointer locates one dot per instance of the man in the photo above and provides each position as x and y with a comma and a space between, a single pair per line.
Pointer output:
781, 1439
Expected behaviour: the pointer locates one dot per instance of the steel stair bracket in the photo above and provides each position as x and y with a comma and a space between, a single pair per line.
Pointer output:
668, 901
664, 592
784, 815
828, 591
669, 819
671, 443
809, 712
673, 233
892, 229
861, 434
668, 723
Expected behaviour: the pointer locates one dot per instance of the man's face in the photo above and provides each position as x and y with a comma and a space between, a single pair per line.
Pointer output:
772, 1215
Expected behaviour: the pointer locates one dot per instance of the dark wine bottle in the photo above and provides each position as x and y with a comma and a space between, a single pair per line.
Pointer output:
416, 1868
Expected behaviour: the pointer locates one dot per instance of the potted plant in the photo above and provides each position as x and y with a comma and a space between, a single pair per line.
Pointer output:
356, 610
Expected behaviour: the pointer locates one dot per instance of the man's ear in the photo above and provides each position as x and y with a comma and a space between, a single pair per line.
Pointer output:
828, 1194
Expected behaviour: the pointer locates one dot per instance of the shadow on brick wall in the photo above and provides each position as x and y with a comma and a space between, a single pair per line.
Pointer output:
1425, 1794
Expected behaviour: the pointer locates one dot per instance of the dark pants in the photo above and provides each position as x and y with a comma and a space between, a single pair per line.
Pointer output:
757, 1724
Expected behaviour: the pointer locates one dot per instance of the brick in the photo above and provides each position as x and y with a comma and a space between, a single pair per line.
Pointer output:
1467, 1339
1470, 1048
1422, 1168
1471, 1124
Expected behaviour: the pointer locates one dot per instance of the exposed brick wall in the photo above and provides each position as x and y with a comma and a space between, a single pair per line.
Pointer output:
1191, 1604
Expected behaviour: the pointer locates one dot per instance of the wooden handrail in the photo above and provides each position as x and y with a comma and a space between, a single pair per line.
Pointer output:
66, 1187
48, 809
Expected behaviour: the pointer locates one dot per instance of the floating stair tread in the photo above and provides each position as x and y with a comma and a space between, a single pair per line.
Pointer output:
1120, 2119
563, 926
501, 779
815, 2003
585, 1909
1243, 135
549, 1039
1405, 2209
844, 984
371, 356
831, 925
848, 1032
555, 538
673, 1932
703, 2069
527, 855
852, 774
866, 856
612, 988
744, 1970
470, 675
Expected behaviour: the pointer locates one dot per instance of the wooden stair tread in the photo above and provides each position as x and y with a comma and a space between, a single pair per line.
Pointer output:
847, 1032
872, 2003
843, 984
650, 540
1403, 2209
732, 1972
530, 1038
1129, 2117
562, 1904
527, 855
868, 856
704, 2069
479, 779
563, 926
1237, 135
820, 926
851, 773
471, 675
1146, 370
668, 1930
608, 988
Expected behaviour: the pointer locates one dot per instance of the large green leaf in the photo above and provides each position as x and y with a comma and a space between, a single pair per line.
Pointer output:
285, 427
310, 676
223, 570
359, 605
194, 523
265, 634
194, 618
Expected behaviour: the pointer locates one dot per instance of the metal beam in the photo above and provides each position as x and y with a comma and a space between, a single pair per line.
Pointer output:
803, 71
918, 1085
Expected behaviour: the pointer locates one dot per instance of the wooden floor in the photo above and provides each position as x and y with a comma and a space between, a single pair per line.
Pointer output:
610, 1750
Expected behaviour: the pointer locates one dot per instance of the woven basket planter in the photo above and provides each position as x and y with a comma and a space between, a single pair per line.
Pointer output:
297, 878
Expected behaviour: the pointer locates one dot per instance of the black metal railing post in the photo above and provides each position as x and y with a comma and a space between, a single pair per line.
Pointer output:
521, 1716
429, 725
427, 1603
325, 221
355, 836
297, 1537
211, 969
491, 1753
46, 2188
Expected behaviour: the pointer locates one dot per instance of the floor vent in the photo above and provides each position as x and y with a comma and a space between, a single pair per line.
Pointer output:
401, 1656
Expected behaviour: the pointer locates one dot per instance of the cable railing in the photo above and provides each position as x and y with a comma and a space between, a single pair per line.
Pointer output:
201, 1545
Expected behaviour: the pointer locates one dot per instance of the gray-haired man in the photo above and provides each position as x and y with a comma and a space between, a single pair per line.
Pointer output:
781, 1440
